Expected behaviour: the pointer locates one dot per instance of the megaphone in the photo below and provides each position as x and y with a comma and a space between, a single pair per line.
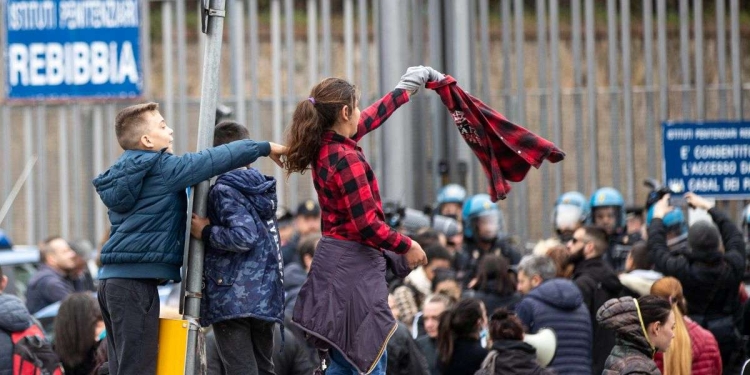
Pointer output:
545, 343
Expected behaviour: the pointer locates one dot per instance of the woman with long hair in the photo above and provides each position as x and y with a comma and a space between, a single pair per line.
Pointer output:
459, 347
495, 284
78, 327
694, 349
344, 302
642, 326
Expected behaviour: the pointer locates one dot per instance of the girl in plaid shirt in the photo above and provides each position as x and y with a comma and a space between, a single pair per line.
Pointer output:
343, 304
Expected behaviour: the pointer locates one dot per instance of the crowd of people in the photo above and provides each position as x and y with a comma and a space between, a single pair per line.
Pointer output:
348, 284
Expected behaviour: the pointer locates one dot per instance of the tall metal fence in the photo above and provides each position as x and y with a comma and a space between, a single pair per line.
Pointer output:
595, 77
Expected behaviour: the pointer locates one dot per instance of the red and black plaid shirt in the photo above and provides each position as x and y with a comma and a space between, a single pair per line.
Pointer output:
347, 188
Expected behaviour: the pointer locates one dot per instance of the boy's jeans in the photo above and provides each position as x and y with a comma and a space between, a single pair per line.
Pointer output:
245, 346
130, 309
340, 366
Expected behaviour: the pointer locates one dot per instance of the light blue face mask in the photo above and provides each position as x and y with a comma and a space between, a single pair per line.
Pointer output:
483, 335
102, 335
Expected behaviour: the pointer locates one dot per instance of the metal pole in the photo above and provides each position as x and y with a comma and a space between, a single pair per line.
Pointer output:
648, 47
145, 38
62, 160
168, 66
6, 153
700, 85
42, 187
253, 58
541, 32
98, 164
685, 57
76, 128
364, 47
661, 14
417, 150
734, 17
721, 52
237, 44
627, 101
507, 85
437, 116
290, 97
349, 39
326, 13
28, 151
554, 36
209, 97
461, 68
181, 122
521, 115
277, 108
614, 114
577, 83
591, 94
312, 41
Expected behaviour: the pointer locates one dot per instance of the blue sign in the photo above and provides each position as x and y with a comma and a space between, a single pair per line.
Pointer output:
708, 158
72, 49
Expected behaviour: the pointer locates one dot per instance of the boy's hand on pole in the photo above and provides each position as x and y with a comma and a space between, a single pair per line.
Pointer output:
277, 151
197, 224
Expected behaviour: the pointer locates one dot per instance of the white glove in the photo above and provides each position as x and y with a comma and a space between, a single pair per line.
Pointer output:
416, 77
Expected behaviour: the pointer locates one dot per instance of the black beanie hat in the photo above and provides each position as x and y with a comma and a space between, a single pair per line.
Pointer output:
703, 237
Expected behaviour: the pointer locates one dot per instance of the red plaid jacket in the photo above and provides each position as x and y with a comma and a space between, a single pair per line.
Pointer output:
505, 150
347, 188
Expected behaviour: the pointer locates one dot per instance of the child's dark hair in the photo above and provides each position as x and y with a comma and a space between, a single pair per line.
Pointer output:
654, 309
505, 325
312, 117
229, 131
458, 322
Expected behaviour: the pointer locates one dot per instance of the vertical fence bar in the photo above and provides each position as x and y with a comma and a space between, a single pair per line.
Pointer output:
591, 94
627, 100
349, 39
312, 41
75, 171
460, 63
554, 41
98, 164
721, 52
436, 115
252, 19
181, 123
6, 153
167, 62
734, 19
484, 37
326, 15
507, 85
575, 8
109, 141
648, 51
41, 186
700, 85
685, 57
364, 48
418, 147
541, 32
276, 86
64, 176
661, 14
614, 114
28, 152
290, 97
145, 39
521, 115
237, 46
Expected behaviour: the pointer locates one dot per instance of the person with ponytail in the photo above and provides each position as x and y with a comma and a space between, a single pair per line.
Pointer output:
459, 348
694, 349
642, 326
343, 304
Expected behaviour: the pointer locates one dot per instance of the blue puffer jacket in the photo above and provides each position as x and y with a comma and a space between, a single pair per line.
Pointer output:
558, 304
242, 267
145, 194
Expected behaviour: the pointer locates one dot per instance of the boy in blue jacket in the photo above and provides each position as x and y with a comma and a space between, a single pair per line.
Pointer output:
243, 295
144, 191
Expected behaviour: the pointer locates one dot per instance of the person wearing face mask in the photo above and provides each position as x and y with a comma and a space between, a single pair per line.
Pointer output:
597, 282
643, 326
484, 233
450, 200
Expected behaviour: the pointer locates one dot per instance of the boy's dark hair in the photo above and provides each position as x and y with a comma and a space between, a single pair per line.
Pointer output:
639, 253
437, 251
505, 325
495, 268
427, 237
229, 131
129, 124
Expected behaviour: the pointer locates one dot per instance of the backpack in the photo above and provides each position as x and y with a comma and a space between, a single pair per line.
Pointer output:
33, 354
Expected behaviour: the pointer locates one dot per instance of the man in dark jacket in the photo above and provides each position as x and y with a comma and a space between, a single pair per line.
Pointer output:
598, 284
306, 221
51, 283
14, 317
427, 343
295, 273
709, 277
557, 304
